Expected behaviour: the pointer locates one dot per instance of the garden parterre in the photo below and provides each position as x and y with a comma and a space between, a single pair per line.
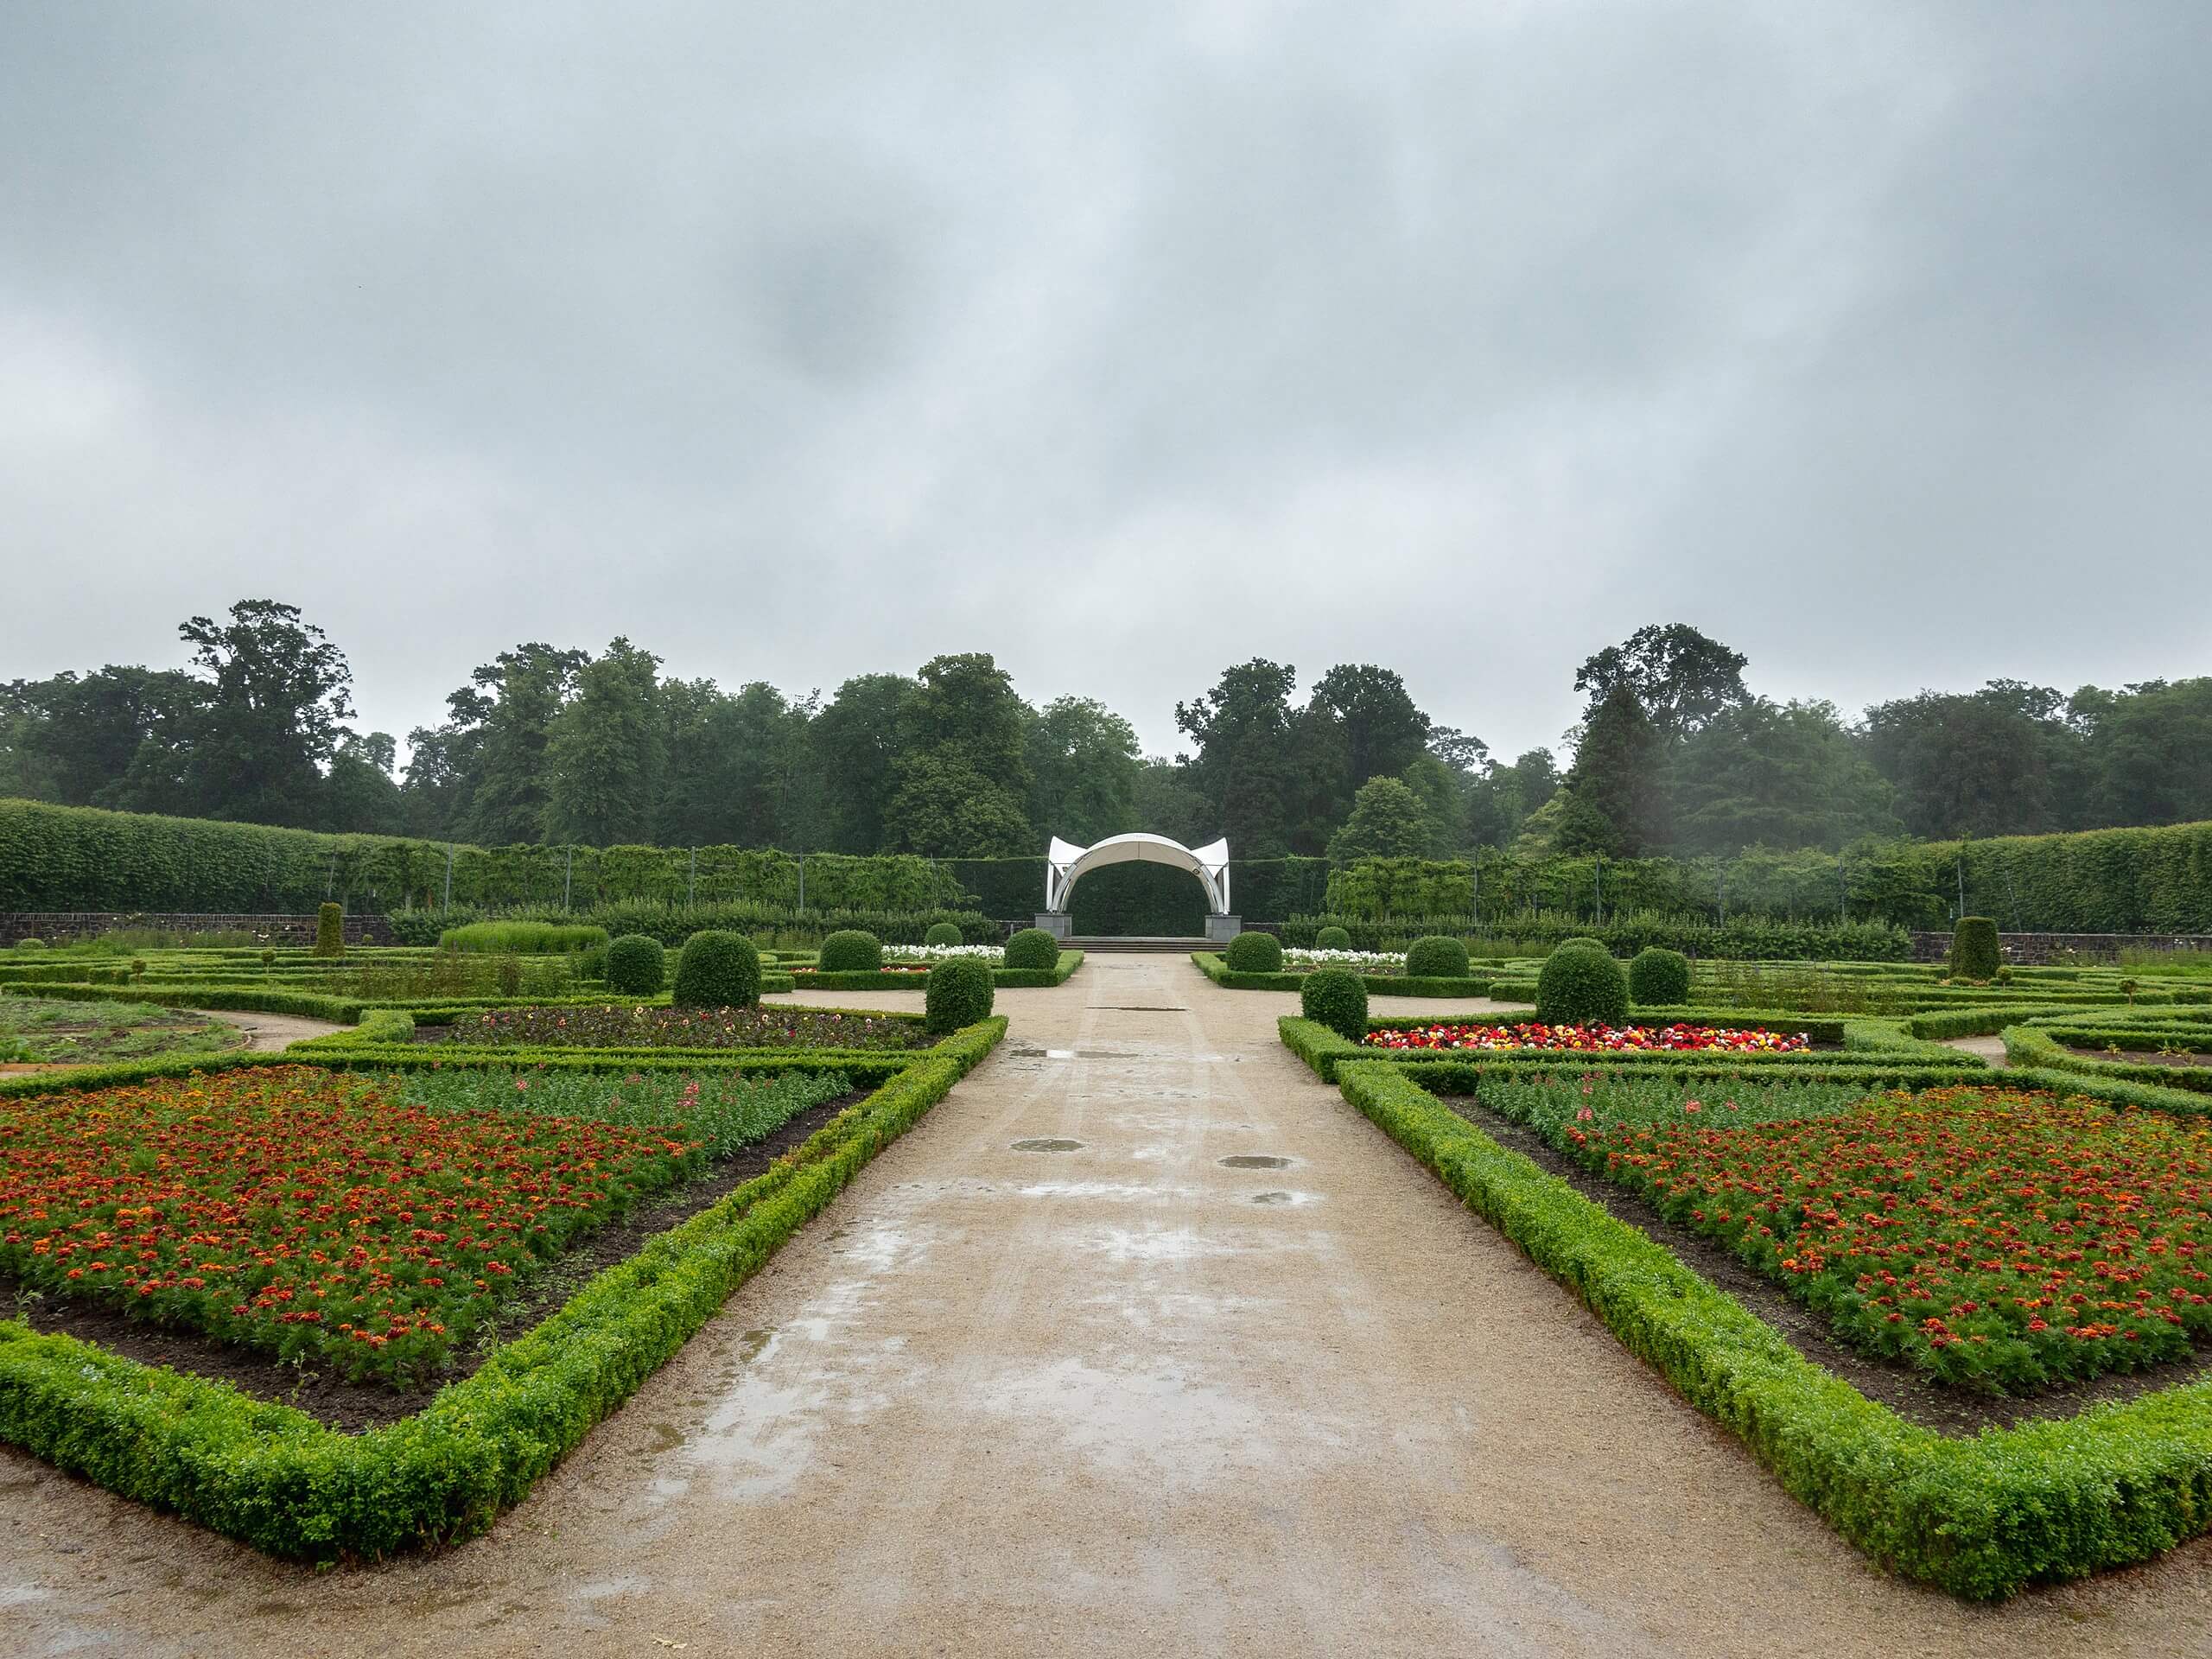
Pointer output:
1595, 1039
333, 1181
2041, 1227
622, 1025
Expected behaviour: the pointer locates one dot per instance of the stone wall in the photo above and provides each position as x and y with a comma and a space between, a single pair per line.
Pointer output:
2036, 949
54, 927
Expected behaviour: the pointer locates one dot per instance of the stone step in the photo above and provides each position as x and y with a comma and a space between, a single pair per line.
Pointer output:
1132, 942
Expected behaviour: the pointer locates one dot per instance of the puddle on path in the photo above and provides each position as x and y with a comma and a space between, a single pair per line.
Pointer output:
1046, 1143
1255, 1161
1282, 1197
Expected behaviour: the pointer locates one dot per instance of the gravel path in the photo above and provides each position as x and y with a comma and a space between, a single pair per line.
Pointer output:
1119, 1398
1991, 1049
265, 1031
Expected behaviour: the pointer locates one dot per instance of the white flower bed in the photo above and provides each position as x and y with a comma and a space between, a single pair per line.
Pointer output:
995, 954
1358, 959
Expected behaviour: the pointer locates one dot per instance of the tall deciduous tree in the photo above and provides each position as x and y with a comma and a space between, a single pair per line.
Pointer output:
527, 689
1999, 761
276, 700
1387, 821
605, 752
1680, 677
1778, 775
1243, 770
1083, 766
961, 775
853, 744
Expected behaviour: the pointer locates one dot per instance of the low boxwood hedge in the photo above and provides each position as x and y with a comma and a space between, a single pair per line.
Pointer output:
1212, 965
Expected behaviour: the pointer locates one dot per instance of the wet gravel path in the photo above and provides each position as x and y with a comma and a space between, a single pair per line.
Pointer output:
1077, 1368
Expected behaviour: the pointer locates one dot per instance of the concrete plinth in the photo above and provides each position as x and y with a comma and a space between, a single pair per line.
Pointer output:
1054, 922
1220, 930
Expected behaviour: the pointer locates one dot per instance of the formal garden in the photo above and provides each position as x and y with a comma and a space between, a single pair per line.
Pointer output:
358, 1295
1953, 1293
1925, 1233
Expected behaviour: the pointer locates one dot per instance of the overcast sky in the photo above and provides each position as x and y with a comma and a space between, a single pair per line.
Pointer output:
1122, 342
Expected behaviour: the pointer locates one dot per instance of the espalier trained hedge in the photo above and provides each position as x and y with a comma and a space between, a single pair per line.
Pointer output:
1746, 938
673, 923
2152, 881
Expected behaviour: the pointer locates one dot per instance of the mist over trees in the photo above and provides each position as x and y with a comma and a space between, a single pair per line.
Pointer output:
1674, 753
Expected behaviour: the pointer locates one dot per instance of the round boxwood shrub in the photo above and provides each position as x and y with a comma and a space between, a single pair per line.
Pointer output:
959, 993
852, 952
717, 970
1439, 956
1332, 938
942, 933
1336, 998
636, 966
1581, 985
1256, 953
1659, 977
1973, 948
30, 945
1032, 951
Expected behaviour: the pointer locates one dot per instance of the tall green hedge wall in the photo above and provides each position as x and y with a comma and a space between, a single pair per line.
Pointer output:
78, 858
2101, 881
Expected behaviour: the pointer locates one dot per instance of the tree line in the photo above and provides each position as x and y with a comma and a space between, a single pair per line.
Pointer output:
1674, 753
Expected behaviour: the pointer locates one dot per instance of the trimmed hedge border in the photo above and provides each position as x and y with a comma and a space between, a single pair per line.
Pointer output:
1981, 1518
275, 1477
1003, 979
1215, 968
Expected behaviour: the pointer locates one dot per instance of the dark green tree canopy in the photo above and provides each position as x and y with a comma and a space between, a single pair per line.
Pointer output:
1616, 777
1681, 677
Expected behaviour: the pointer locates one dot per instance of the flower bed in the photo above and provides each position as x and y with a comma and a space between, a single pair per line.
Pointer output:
1670, 1039
2002, 1238
911, 970
993, 955
306, 1211
630, 1026
1300, 960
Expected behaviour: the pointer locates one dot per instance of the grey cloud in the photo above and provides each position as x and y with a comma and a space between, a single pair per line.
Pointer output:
799, 341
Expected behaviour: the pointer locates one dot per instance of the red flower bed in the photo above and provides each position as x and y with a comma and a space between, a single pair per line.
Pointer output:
1999, 1237
303, 1210
1591, 1038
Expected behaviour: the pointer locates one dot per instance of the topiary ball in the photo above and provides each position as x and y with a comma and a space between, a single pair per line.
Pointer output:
1437, 957
1033, 951
717, 970
851, 952
636, 965
942, 933
1659, 978
958, 994
1336, 998
1581, 984
1255, 953
30, 945
1332, 938
1974, 954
